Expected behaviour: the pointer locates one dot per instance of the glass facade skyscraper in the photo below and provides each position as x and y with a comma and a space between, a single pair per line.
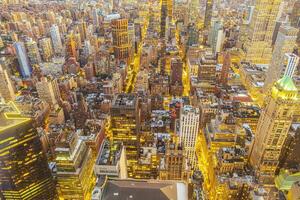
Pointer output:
24, 172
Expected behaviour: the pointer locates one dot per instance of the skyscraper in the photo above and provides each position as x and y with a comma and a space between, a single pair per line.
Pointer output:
24, 172
32, 51
208, 13
56, 39
121, 40
258, 46
216, 36
125, 122
6, 87
284, 44
295, 17
225, 68
291, 63
188, 131
74, 167
45, 91
166, 16
24, 67
46, 49
71, 51
272, 129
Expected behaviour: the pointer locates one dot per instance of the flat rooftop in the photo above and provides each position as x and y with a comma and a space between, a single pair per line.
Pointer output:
125, 101
10, 116
145, 189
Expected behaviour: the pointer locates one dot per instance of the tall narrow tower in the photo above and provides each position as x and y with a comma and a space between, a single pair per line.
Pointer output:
121, 40
272, 129
258, 46
56, 39
285, 43
24, 67
189, 129
166, 15
208, 13
6, 86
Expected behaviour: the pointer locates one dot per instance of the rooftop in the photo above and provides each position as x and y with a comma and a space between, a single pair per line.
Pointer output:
10, 116
125, 100
146, 190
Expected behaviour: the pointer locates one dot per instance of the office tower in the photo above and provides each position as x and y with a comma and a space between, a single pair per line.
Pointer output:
95, 17
272, 129
225, 68
193, 35
56, 91
166, 16
290, 64
217, 37
24, 67
290, 157
56, 39
71, 51
82, 30
81, 113
285, 43
46, 49
125, 126
121, 43
295, 17
258, 46
24, 172
207, 68
188, 131
173, 165
74, 167
208, 13
6, 87
33, 51
176, 84
176, 71
45, 91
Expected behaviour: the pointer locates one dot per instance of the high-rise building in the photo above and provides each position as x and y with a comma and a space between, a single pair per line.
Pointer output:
24, 172
207, 68
273, 127
121, 43
46, 49
290, 64
56, 39
82, 26
295, 17
193, 36
74, 167
71, 51
125, 122
176, 84
45, 91
225, 68
208, 13
173, 165
33, 51
176, 71
260, 32
24, 67
166, 16
285, 43
6, 87
188, 131
216, 37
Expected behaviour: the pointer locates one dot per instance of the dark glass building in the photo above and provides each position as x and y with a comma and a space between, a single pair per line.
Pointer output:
24, 172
